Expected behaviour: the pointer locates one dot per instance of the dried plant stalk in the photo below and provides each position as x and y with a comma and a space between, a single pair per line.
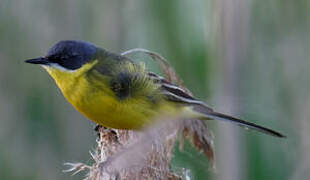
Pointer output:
146, 154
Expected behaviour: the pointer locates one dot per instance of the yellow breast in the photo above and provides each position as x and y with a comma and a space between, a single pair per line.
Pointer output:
99, 104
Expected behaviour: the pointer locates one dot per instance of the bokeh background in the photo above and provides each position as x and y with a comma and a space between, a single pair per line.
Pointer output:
249, 58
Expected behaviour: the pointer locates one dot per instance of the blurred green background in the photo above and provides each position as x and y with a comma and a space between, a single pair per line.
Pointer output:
247, 58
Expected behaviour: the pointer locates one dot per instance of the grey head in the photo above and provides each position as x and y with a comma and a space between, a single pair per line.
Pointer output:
68, 54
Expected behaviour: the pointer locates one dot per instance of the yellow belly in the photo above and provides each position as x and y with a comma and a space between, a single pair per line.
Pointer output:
110, 112
101, 106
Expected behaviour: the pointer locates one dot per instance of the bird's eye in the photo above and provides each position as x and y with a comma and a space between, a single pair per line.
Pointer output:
63, 58
53, 58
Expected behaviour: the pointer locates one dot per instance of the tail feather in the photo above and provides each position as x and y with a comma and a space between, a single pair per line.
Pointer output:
224, 117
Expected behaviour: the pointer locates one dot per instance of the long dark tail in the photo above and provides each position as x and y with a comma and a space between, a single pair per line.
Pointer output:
224, 117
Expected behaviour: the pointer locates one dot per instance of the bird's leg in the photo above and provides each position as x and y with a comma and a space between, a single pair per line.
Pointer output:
112, 132
97, 130
97, 127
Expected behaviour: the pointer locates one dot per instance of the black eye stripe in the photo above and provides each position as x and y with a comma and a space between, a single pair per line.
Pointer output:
63, 57
68, 61
52, 58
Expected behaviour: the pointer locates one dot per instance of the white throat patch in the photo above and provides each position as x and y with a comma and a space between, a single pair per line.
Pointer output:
57, 66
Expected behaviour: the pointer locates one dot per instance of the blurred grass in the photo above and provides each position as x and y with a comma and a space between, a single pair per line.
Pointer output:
39, 130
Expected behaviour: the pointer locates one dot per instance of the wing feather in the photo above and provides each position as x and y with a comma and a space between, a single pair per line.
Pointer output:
175, 93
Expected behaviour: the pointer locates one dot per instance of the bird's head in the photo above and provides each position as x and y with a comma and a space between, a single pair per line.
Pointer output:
67, 55
67, 60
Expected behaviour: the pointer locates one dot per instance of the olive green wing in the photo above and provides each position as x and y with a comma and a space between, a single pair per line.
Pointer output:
127, 79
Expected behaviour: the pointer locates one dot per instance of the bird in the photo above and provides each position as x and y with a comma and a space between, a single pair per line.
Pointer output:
116, 92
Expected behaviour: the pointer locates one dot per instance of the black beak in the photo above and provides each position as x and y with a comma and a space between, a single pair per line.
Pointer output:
40, 60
